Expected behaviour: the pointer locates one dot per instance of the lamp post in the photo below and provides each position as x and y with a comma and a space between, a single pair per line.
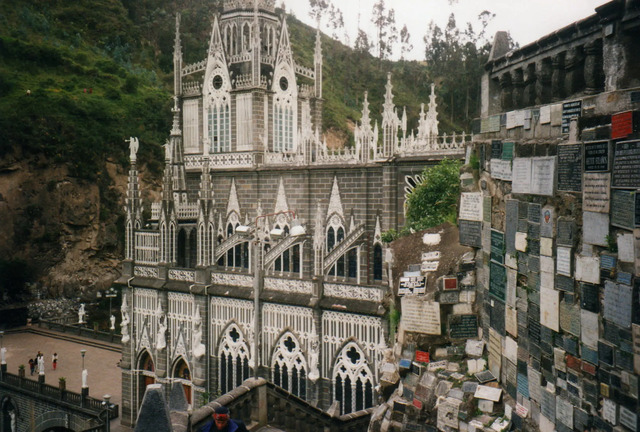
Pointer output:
257, 243
111, 293
3, 351
107, 405
85, 387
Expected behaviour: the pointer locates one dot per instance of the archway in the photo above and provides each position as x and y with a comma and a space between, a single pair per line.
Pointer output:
147, 374
182, 372
9, 418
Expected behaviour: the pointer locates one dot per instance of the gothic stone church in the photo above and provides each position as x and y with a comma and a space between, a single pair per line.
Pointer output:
264, 256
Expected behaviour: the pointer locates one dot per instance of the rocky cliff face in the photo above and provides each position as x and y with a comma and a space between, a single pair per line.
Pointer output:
66, 229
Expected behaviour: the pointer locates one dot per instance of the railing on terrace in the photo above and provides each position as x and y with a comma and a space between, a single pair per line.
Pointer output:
68, 326
55, 395
147, 249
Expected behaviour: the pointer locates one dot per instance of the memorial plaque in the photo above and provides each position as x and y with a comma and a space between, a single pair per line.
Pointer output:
626, 165
596, 196
618, 304
523, 226
589, 328
521, 175
451, 297
545, 114
570, 318
533, 231
534, 261
486, 209
563, 262
549, 312
543, 175
497, 281
412, 285
547, 221
626, 252
470, 233
595, 228
494, 123
511, 321
471, 204
624, 360
548, 405
511, 225
589, 354
564, 283
496, 149
635, 329
564, 412
463, 326
637, 219
570, 167
569, 111
628, 418
501, 170
420, 316
570, 343
623, 204
507, 150
497, 316
587, 269
590, 297
566, 232
596, 156
622, 125
605, 353
497, 246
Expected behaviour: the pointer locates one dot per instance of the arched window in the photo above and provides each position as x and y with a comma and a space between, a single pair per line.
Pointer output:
147, 374
377, 262
181, 373
331, 239
246, 36
182, 248
352, 262
289, 366
353, 382
193, 249
219, 124
233, 355
172, 244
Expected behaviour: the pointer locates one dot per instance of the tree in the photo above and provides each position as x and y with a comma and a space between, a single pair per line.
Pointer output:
405, 42
434, 200
362, 44
385, 22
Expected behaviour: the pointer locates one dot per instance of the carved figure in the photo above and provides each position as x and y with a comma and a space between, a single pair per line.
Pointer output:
133, 148
161, 342
81, 314
85, 374
41, 365
124, 325
198, 347
113, 322
12, 414
314, 373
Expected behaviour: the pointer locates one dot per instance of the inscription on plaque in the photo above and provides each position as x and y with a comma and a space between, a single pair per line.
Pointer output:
596, 192
570, 168
470, 233
626, 165
564, 283
521, 175
511, 225
471, 205
507, 150
486, 209
496, 149
618, 304
566, 232
563, 263
623, 203
589, 298
569, 111
497, 281
497, 246
421, 316
596, 156
543, 174
463, 326
501, 169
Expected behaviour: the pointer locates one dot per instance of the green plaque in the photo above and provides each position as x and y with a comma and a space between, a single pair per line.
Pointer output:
497, 246
498, 281
507, 150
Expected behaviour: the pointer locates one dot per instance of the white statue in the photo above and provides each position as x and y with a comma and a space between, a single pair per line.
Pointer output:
41, 365
3, 353
113, 322
314, 373
161, 341
81, 314
124, 325
198, 347
85, 374
133, 148
12, 414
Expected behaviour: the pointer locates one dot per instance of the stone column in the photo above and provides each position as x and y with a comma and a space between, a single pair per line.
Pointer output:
517, 81
593, 70
574, 74
557, 77
543, 81
530, 78
506, 90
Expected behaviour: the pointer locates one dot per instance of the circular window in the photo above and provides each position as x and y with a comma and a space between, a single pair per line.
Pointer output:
284, 83
217, 82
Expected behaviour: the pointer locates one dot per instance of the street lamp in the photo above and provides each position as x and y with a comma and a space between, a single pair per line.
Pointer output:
111, 293
257, 242
107, 405
3, 350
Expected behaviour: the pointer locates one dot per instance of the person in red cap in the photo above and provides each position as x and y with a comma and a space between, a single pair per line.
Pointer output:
222, 422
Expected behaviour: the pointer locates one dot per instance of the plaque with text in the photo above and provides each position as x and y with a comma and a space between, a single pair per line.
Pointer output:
507, 150
463, 326
497, 246
470, 233
498, 281
626, 165
497, 317
566, 235
595, 197
623, 204
521, 175
564, 283
543, 175
496, 149
637, 219
511, 225
486, 209
570, 167
569, 111
622, 125
420, 316
471, 205
618, 304
533, 212
590, 297
501, 169
596, 156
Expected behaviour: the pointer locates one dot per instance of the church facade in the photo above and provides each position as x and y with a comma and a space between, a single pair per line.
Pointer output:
264, 256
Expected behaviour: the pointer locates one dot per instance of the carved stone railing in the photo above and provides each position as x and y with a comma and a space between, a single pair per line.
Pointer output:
222, 160
182, 275
144, 271
306, 90
355, 292
288, 285
187, 210
240, 58
232, 279
268, 59
344, 156
155, 210
274, 158
341, 248
229, 243
194, 67
305, 71
442, 145
246, 81
191, 88
147, 247
278, 249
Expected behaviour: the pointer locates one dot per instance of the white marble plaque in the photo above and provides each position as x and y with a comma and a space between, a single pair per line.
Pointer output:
535, 389
512, 283
431, 256
588, 269
474, 347
448, 413
596, 194
628, 418
635, 329
595, 228
420, 316
471, 206
558, 359
511, 120
564, 412
610, 411
521, 176
431, 239
511, 350
625, 247
589, 328
429, 266
547, 280
488, 393
546, 246
511, 321
556, 115
549, 308
563, 256
543, 175
462, 309
501, 169
521, 241
545, 114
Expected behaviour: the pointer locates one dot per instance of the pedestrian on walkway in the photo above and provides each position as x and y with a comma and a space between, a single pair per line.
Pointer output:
222, 422
32, 365
54, 360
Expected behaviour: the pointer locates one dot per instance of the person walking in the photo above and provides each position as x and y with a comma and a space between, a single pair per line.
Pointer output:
32, 365
222, 422
54, 360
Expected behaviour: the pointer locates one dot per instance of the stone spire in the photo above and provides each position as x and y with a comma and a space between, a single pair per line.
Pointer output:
390, 121
177, 60
432, 114
317, 57
255, 47
132, 202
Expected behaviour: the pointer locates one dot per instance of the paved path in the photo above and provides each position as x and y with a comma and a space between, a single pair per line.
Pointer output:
104, 375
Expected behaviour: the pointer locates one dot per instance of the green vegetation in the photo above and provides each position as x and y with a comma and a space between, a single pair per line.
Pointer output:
434, 201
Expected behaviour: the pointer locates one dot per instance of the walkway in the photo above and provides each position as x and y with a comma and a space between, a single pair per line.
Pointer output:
104, 375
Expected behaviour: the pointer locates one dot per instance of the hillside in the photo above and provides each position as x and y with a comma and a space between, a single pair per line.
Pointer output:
77, 79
